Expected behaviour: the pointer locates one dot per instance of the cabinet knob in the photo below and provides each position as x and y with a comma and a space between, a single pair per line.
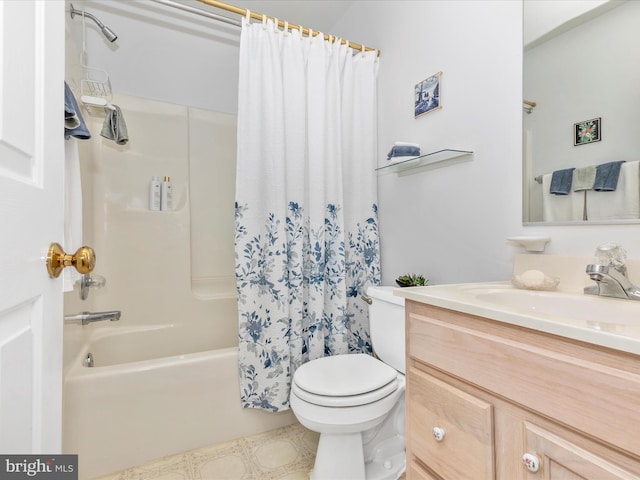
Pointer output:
438, 433
531, 462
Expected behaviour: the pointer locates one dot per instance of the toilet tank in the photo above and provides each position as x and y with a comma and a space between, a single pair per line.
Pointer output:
386, 326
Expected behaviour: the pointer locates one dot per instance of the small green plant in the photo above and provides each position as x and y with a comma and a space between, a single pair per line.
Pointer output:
411, 280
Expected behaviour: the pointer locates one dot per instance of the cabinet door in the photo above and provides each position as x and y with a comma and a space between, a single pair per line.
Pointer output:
463, 448
563, 460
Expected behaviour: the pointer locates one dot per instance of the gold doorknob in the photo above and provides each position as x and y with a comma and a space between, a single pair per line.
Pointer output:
83, 260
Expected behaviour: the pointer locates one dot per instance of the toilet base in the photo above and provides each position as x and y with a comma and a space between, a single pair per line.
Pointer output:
375, 454
384, 446
339, 457
390, 469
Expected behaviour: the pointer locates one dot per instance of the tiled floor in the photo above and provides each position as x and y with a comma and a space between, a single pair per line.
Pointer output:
284, 454
287, 453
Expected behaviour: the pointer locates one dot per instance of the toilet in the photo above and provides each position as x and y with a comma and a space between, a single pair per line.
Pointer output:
356, 401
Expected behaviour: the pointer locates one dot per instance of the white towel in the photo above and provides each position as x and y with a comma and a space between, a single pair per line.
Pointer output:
561, 208
72, 209
623, 203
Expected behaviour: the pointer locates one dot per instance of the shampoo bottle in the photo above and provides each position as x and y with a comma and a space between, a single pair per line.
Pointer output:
166, 195
154, 193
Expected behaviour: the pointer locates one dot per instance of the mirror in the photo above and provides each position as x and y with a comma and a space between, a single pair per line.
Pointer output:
580, 65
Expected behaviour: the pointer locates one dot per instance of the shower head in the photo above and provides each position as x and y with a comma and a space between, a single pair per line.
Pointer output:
106, 31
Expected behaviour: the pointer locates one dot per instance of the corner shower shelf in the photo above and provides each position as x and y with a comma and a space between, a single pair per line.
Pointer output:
427, 161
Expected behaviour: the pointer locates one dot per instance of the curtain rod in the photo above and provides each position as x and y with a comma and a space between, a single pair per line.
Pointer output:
282, 24
197, 11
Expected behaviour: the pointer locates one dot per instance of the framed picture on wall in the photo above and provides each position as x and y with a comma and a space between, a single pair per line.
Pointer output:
427, 95
587, 131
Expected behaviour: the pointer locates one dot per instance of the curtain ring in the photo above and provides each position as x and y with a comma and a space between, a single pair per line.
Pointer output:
247, 17
264, 21
275, 24
362, 50
286, 27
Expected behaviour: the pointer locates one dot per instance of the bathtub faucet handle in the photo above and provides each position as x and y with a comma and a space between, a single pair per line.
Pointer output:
87, 281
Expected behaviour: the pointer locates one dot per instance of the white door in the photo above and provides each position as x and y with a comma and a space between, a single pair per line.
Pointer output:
31, 217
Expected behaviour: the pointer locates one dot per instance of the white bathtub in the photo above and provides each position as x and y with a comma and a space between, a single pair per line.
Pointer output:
153, 391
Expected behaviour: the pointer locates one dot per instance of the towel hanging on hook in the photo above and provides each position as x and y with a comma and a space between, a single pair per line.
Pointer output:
114, 127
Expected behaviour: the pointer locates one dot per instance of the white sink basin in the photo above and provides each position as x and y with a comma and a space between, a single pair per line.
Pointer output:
584, 308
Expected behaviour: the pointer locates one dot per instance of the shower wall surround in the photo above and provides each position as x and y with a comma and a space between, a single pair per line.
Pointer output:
161, 264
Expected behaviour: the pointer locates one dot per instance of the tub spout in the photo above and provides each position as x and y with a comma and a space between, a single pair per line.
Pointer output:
86, 318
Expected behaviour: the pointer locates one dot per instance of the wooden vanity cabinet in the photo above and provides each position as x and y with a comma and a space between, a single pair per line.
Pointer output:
495, 392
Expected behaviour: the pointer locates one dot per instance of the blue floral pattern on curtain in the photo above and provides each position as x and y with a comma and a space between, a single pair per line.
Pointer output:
306, 231
289, 267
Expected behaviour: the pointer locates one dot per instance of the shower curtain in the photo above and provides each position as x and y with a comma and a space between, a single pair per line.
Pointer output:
306, 226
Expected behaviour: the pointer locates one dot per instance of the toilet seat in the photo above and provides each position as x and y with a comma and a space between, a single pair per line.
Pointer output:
347, 400
344, 380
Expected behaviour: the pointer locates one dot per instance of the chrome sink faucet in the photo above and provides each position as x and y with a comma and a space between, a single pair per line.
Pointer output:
89, 317
610, 274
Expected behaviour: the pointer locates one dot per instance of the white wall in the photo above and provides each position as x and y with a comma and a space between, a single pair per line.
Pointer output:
545, 19
450, 223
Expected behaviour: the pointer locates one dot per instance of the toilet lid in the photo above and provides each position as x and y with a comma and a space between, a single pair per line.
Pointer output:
344, 375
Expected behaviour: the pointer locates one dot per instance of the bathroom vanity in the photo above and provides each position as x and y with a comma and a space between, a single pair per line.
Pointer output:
507, 392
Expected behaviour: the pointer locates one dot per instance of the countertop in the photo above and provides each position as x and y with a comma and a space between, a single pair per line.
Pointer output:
607, 322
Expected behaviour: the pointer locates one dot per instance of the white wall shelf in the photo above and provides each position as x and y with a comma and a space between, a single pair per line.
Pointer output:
427, 161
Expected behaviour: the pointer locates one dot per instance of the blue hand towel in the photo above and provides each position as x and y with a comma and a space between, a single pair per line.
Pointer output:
607, 175
561, 181
114, 127
74, 125
403, 151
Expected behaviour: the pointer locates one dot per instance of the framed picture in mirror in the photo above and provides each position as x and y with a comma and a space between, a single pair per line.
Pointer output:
587, 131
